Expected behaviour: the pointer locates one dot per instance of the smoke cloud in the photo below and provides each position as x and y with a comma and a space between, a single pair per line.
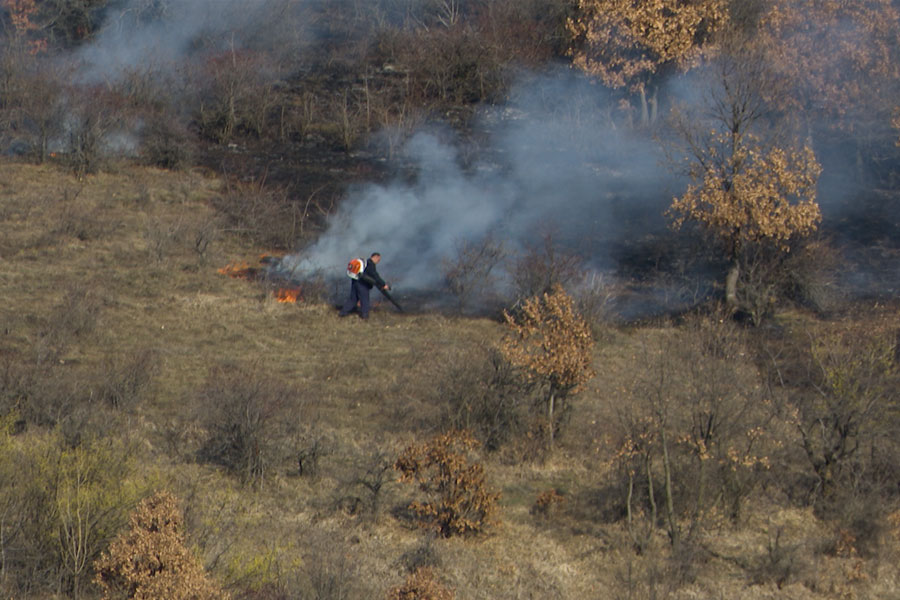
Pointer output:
142, 36
549, 161
552, 163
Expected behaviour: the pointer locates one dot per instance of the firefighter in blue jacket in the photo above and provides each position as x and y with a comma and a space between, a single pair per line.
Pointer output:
364, 276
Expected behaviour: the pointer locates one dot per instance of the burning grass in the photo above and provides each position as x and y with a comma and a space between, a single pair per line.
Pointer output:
284, 292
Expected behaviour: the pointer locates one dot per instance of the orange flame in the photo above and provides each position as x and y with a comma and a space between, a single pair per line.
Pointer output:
287, 295
240, 270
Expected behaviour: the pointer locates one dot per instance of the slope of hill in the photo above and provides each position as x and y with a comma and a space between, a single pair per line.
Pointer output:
117, 324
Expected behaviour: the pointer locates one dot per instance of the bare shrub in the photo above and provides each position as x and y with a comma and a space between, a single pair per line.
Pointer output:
841, 415
237, 91
451, 65
249, 418
594, 295
312, 444
36, 388
368, 482
422, 555
166, 143
457, 499
162, 237
469, 276
694, 433
264, 215
37, 109
645, 576
544, 266
126, 377
80, 221
203, 234
152, 559
350, 119
782, 561
94, 116
484, 394
397, 122
77, 313
297, 114
329, 571
61, 506
810, 276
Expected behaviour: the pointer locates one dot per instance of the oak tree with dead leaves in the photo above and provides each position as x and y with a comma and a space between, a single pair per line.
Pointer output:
151, 560
458, 501
626, 42
761, 201
841, 55
752, 183
553, 344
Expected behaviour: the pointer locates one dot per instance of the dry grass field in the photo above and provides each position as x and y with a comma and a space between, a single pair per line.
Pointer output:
115, 322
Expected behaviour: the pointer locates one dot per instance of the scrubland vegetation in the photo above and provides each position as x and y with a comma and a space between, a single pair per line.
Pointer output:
170, 431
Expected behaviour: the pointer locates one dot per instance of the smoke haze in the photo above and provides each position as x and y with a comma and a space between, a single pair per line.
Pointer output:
141, 36
551, 163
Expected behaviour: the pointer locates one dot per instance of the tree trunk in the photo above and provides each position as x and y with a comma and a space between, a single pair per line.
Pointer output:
731, 283
645, 112
669, 491
550, 424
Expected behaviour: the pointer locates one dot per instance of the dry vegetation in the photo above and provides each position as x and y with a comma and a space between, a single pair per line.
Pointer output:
276, 452
127, 356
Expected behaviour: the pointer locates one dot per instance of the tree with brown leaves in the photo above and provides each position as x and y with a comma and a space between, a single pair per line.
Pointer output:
151, 561
553, 344
459, 502
841, 55
753, 184
626, 42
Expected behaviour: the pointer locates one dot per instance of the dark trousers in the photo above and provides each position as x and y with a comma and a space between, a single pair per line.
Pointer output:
359, 293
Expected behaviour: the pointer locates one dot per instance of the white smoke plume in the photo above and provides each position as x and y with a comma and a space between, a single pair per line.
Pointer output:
163, 35
551, 160
553, 163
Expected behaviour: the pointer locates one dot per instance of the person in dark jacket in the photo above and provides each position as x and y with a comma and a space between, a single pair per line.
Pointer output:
360, 288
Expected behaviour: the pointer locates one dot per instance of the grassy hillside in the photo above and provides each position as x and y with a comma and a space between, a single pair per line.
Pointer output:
117, 324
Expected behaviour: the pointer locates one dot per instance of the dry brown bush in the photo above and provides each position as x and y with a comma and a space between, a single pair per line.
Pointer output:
421, 585
458, 501
152, 560
548, 503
